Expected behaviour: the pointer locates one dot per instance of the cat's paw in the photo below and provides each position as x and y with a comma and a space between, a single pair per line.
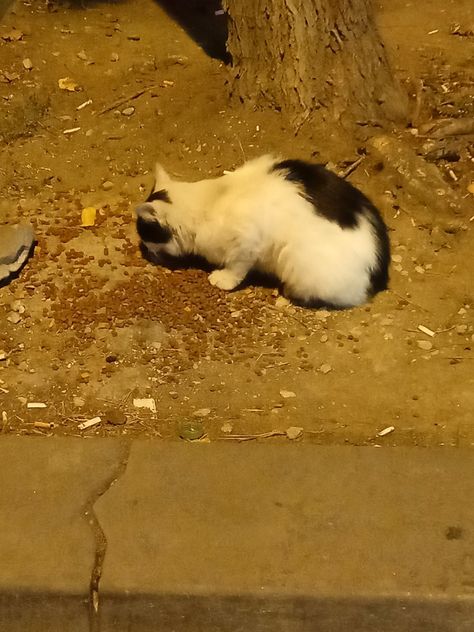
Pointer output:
223, 279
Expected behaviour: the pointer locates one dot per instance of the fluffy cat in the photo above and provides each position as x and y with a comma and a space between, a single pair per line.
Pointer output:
319, 235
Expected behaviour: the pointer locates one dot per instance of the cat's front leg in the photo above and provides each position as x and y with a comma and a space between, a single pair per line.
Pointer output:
229, 277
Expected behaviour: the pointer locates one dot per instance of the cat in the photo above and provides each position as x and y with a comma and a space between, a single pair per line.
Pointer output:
319, 235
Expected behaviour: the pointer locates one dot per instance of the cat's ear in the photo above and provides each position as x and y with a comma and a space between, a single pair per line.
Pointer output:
145, 211
161, 177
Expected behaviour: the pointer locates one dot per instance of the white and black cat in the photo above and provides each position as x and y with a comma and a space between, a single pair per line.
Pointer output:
319, 235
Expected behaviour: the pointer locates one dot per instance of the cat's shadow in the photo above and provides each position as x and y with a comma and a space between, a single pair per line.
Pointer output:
195, 262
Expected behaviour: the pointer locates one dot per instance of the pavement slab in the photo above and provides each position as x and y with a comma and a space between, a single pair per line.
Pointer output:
48, 542
277, 538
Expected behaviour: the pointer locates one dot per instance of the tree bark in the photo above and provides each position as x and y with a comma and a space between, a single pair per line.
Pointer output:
312, 56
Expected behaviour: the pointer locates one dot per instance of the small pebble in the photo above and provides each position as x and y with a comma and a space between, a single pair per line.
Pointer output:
287, 394
115, 417
14, 317
128, 111
294, 432
325, 368
202, 412
426, 345
107, 185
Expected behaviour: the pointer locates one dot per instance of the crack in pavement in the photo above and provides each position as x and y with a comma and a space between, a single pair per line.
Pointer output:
100, 538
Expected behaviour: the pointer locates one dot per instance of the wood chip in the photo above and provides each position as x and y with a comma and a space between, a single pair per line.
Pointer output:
85, 104
36, 405
90, 422
426, 331
43, 424
72, 130
147, 402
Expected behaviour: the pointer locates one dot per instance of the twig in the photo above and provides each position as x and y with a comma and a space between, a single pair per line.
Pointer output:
419, 98
241, 148
347, 172
302, 120
262, 435
403, 298
131, 97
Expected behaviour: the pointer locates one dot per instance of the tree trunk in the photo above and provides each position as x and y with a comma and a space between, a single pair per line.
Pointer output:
312, 56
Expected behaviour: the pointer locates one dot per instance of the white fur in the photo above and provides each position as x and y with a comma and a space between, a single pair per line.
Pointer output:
253, 218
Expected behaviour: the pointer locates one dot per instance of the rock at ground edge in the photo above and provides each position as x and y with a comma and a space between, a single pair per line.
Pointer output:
15, 245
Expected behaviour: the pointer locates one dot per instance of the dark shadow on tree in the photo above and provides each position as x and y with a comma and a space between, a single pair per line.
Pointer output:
198, 18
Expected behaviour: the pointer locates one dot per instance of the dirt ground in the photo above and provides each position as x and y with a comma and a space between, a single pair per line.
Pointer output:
89, 325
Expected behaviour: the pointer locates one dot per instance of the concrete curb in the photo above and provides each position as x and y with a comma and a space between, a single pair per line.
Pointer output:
234, 537
48, 543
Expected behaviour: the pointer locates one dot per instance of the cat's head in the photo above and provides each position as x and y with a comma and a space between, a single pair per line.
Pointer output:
158, 235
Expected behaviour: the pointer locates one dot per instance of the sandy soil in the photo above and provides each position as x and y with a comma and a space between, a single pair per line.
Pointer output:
89, 325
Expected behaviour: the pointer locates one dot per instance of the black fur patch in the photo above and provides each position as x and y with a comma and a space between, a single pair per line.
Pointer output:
338, 201
159, 195
332, 197
153, 231
380, 277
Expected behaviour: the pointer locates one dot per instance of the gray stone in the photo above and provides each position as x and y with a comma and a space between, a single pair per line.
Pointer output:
47, 542
15, 245
289, 538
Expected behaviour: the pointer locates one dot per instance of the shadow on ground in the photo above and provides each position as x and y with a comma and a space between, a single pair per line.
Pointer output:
199, 19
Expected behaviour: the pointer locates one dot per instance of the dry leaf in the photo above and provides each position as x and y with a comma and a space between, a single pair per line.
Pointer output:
88, 216
66, 83
8, 77
12, 36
